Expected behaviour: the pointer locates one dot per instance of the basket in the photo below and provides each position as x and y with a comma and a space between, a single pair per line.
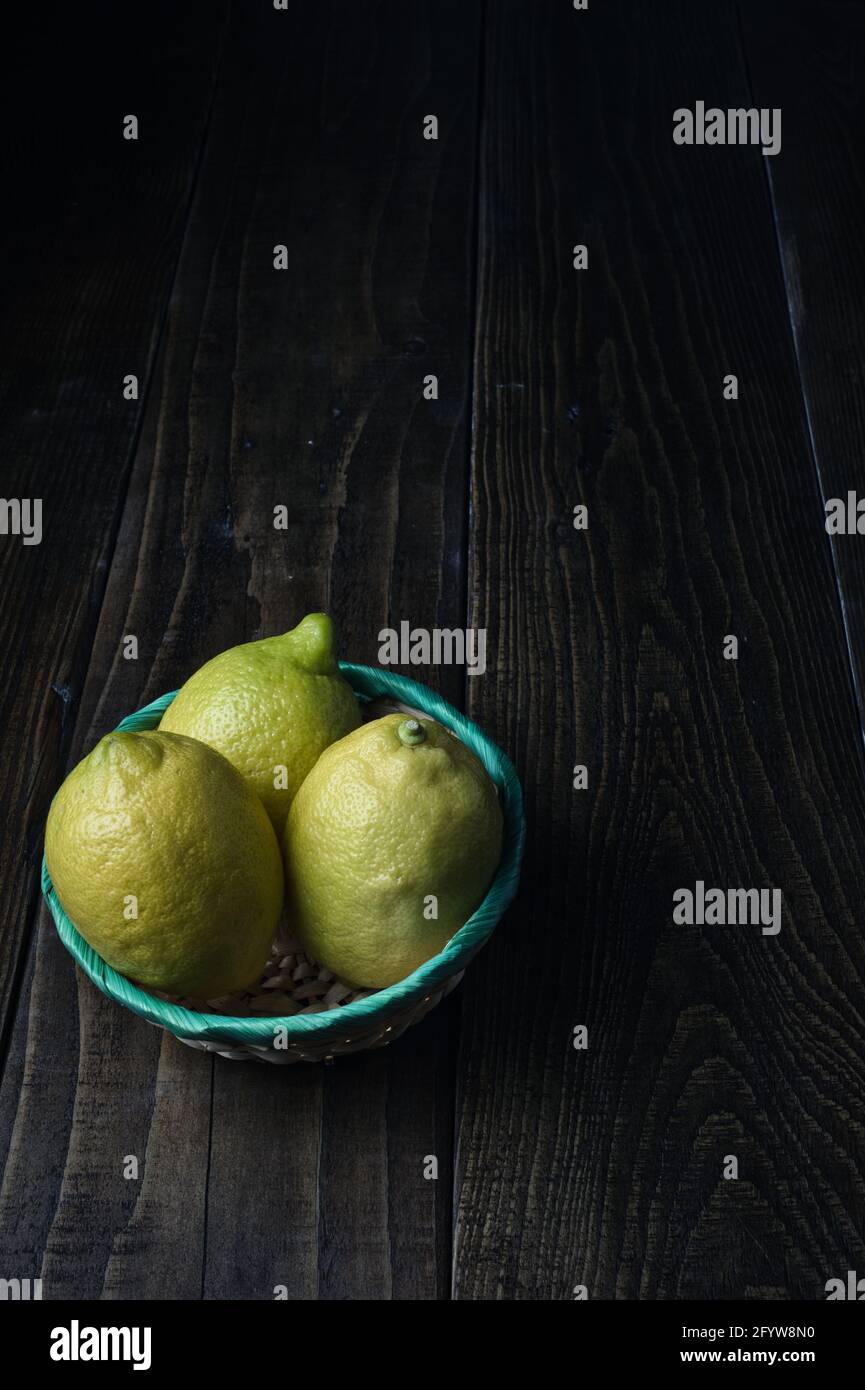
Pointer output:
299, 1012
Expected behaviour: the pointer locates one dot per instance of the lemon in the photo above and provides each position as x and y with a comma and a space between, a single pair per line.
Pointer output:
390, 845
166, 862
270, 707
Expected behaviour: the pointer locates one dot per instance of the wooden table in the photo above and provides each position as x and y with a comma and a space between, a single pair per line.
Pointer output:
557, 388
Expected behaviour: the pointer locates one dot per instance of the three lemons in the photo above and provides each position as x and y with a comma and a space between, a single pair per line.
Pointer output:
164, 847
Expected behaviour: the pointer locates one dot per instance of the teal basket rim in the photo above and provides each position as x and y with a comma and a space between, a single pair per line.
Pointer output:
368, 683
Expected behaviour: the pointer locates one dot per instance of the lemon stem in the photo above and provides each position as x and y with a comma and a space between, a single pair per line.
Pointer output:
411, 732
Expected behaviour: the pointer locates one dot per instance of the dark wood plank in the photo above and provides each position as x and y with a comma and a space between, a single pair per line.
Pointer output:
809, 60
301, 388
376, 481
95, 236
89, 242
604, 1167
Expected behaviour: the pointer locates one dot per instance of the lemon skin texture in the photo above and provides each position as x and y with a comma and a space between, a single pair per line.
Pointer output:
378, 826
270, 705
167, 822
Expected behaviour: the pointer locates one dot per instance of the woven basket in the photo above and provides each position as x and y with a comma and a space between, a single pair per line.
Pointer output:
298, 1012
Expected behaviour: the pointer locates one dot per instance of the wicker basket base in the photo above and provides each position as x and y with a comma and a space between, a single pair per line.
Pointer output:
326, 1052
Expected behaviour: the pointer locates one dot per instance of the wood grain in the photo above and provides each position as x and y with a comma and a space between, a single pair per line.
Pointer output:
603, 1167
98, 244
89, 243
808, 61
301, 388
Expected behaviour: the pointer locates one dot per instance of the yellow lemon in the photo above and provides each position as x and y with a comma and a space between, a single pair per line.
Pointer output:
390, 845
166, 862
270, 707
